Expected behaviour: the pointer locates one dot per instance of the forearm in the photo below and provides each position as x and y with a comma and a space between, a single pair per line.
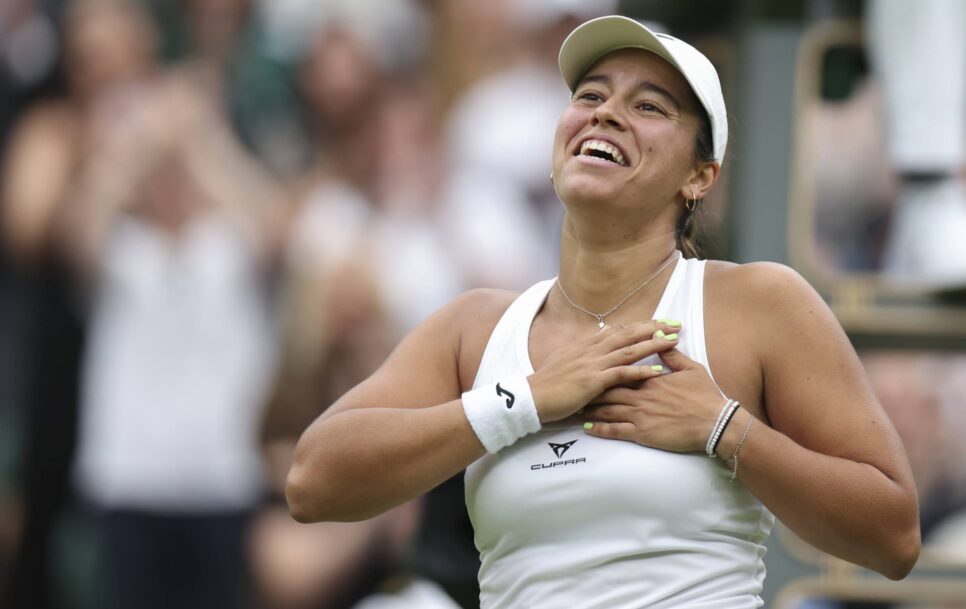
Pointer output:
238, 186
362, 462
849, 509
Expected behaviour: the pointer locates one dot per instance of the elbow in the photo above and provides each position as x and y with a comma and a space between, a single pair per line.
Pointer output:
901, 538
312, 497
304, 497
299, 513
295, 497
903, 555
906, 544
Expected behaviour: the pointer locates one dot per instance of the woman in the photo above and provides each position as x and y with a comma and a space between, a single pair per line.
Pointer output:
531, 394
107, 48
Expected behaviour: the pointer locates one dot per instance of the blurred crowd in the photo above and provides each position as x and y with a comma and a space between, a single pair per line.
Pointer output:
888, 146
216, 216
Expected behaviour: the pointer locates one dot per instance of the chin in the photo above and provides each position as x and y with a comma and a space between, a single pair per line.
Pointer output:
586, 190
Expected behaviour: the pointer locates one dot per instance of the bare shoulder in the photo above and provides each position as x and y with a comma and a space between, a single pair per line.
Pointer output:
40, 159
44, 137
466, 320
484, 303
765, 276
767, 288
52, 119
765, 309
469, 310
478, 312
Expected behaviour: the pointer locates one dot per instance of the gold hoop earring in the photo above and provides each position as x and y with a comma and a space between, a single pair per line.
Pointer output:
691, 204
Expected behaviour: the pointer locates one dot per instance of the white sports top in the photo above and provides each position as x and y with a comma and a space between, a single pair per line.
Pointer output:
178, 364
564, 519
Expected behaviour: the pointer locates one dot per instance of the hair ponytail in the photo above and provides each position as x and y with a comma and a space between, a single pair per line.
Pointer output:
687, 232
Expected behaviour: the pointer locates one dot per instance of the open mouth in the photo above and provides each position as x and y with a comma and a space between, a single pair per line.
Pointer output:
602, 150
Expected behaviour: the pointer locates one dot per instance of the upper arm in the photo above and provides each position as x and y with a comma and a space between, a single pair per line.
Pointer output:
813, 385
432, 364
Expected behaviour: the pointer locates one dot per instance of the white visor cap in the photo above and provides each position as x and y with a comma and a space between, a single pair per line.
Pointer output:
595, 38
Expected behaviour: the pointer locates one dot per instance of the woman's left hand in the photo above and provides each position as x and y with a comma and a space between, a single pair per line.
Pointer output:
675, 411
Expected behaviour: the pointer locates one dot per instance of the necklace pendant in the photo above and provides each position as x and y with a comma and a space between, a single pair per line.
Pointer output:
600, 322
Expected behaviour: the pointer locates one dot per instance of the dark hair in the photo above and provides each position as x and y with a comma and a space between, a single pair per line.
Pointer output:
686, 231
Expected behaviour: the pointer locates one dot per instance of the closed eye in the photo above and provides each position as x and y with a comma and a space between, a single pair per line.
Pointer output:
649, 107
589, 96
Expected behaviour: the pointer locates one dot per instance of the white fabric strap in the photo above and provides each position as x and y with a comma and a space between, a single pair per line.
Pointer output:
501, 413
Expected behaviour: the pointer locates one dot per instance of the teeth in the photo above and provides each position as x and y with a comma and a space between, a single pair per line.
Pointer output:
614, 153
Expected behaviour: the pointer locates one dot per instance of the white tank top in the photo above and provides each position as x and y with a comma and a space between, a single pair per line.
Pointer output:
564, 519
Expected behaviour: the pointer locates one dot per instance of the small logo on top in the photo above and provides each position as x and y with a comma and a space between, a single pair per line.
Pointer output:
560, 449
510, 398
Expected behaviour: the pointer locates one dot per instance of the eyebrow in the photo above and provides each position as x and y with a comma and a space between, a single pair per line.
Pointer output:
644, 85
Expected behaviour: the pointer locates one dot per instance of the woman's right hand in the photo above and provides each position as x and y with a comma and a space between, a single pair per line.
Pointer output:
574, 375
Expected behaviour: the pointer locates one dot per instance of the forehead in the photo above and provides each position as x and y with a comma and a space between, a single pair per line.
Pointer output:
641, 65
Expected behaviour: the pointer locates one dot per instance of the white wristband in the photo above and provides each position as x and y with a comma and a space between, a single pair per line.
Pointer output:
501, 413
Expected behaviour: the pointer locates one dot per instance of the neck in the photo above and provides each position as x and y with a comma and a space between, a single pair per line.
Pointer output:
596, 275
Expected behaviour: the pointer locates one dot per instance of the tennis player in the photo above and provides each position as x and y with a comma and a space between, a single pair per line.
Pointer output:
631, 428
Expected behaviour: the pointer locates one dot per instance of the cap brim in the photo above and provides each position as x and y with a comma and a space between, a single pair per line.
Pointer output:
598, 37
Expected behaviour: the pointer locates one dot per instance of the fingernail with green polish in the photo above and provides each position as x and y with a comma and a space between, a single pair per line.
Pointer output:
673, 323
672, 336
657, 368
588, 425
659, 334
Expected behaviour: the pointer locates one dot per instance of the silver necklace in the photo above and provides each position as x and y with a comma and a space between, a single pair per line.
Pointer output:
600, 316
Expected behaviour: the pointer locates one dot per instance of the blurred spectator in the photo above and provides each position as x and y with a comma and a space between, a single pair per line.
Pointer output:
855, 186
29, 50
501, 210
919, 55
917, 391
336, 332
417, 276
471, 40
108, 45
371, 197
174, 228
395, 31
366, 264
228, 40
412, 260
943, 528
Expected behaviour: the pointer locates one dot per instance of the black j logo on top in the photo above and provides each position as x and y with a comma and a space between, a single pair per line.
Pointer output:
510, 398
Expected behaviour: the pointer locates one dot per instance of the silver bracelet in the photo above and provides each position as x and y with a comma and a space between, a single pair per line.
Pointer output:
724, 409
731, 406
734, 457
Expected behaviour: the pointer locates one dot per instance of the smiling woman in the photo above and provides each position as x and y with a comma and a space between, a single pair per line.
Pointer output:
602, 415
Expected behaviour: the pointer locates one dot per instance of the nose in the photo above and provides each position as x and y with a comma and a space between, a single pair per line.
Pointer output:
605, 115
